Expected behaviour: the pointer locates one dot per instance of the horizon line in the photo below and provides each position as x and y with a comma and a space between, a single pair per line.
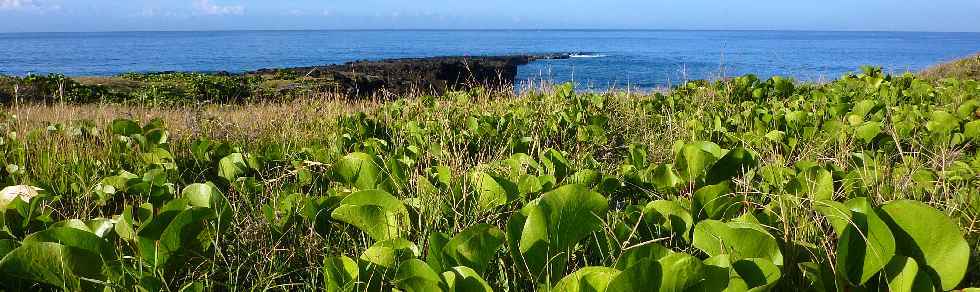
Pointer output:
497, 29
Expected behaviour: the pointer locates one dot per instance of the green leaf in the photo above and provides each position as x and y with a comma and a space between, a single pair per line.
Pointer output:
821, 277
715, 202
901, 274
7, 245
493, 191
375, 212
941, 122
866, 245
75, 238
675, 272
932, 238
734, 163
868, 131
816, 183
573, 212
633, 255
669, 215
389, 253
758, 274
645, 275
232, 167
737, 240
360, 170
339, 273
665, 178
543, 232
464, 279
51, 263
474, 247
125, 127
694, 160
185, 236
971, 130
207, 195
416, 276
680, 272
587, 279
836, 213
555, 164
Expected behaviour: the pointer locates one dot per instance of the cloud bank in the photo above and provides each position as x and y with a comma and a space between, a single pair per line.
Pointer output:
207, 8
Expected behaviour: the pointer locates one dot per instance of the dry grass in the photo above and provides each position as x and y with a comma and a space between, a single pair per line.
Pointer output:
966, 68
278, 121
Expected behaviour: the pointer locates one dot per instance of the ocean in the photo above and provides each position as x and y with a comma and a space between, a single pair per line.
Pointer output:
640, 59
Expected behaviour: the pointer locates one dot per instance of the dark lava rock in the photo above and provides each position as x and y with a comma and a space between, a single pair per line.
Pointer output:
434, 75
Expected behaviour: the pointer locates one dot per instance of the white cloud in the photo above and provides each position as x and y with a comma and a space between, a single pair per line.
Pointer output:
16, 4
207, 8
36, 6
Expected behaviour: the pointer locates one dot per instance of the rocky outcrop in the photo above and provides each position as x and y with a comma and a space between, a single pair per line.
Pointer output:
434, 75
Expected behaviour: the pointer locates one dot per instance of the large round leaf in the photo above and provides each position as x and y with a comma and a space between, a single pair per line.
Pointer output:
53, 264
464, 279
73, 237
636, 254
375, 212
714, 202
929, 236
816, 183
675, 272
643, 276
232, 167
866, 245
901, 273
208, 196
758, 274
339, 274
669, 215
680, 272
587, 279
125, 127
493, 191
572, 212
474, 247
416, 276
389, 253
185, 236
734, 163
545, 229
738, 240
694, 160
360, 170
664, 177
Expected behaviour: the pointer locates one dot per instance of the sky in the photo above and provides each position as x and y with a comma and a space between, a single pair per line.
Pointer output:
141, 15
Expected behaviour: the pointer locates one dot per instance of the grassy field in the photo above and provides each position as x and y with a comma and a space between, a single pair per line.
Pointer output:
867, 182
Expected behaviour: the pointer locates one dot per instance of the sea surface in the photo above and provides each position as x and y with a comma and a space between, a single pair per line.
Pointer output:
640, 59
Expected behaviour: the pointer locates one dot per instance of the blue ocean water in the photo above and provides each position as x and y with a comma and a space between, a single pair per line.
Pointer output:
639, 59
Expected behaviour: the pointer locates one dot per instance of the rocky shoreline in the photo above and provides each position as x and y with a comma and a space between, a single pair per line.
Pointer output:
387, 78
432, 75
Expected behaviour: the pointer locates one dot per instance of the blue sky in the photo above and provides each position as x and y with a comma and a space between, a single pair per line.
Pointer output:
115, 15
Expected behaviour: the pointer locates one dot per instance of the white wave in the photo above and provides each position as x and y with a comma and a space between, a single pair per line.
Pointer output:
586, 55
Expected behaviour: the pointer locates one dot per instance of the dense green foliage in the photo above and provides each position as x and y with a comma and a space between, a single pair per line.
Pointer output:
168, 88
870, 181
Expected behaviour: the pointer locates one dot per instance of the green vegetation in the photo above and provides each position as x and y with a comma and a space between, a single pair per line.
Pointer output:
870, 181
156, 88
